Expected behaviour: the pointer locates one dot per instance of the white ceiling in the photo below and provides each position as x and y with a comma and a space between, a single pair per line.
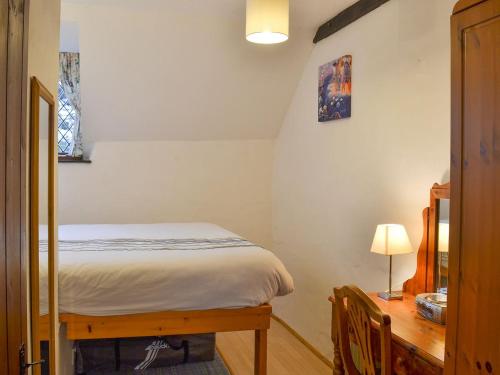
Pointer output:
182, 70
305, 13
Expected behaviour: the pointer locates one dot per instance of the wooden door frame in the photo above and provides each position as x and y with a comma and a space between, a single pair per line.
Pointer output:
466, 14
38, 92
13, 167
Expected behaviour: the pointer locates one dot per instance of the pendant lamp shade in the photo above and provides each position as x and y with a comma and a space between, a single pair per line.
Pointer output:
267, 21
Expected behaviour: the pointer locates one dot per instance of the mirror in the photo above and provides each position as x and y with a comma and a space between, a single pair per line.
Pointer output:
431, 275
442, 240
43, 178
42, 229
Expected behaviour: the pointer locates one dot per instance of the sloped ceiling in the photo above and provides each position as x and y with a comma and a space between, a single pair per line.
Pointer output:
182, 70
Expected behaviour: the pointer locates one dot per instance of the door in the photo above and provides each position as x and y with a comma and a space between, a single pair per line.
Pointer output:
13, 243
4, 354
473, 341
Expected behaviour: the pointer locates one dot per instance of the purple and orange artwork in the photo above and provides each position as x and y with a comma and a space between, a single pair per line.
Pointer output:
334, 89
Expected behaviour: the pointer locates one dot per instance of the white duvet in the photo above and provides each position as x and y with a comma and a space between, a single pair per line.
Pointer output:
135, 268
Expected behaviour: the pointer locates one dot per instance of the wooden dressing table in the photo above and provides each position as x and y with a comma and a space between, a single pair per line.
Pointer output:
418, 345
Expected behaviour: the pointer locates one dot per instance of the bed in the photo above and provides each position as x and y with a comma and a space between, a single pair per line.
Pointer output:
134, 280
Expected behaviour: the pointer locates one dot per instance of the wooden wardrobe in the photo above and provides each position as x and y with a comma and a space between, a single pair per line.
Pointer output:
473, 329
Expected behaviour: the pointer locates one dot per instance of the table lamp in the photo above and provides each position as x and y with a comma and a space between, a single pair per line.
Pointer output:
443, 237
443, 245
391, 239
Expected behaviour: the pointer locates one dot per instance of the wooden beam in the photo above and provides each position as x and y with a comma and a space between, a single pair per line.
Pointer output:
346, 17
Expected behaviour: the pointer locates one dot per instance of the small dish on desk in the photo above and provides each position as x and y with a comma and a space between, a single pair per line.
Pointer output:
432, 306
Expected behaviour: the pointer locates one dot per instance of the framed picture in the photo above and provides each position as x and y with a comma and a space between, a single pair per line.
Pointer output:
334, 89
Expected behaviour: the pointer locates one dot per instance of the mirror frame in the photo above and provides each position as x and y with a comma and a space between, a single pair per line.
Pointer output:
42, 328
424, 279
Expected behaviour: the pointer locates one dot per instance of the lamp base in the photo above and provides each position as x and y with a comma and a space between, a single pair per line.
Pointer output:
391, 296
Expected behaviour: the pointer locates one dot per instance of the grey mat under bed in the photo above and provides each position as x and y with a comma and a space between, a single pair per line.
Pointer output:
215, 367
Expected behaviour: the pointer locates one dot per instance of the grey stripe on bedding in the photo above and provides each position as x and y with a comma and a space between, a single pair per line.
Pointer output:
149, 245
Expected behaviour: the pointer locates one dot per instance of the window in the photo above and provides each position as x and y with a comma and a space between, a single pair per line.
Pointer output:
66, 118
69, 137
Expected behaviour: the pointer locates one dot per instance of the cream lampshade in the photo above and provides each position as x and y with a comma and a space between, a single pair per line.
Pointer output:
442, 247
443, 237
267, 21
391, 239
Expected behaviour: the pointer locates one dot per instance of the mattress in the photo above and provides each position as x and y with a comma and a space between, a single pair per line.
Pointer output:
137, 268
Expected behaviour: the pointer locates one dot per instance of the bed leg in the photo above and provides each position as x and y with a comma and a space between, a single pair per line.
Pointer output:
260, 366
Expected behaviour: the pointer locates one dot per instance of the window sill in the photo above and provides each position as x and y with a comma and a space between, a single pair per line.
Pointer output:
72, 159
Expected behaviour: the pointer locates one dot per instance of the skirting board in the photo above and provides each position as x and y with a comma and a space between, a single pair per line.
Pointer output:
306, 343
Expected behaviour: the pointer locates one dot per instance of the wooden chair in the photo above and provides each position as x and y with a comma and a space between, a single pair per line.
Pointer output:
357, 317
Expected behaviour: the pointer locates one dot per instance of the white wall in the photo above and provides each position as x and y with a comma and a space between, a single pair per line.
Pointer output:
162, 70
43, 42
195, 94
334, 182
172, 100
70, 37
43, 63
223, 182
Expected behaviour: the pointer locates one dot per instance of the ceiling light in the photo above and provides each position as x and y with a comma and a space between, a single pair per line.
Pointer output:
267, 21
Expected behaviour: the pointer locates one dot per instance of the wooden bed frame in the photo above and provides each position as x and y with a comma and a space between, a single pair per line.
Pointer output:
258, 319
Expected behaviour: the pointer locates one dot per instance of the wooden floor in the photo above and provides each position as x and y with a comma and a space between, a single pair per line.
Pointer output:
286, 354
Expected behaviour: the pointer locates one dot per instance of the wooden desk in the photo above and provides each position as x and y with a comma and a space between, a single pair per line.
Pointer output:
417, 344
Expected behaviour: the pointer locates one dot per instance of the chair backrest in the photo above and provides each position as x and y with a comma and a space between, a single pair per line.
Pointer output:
357, 317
